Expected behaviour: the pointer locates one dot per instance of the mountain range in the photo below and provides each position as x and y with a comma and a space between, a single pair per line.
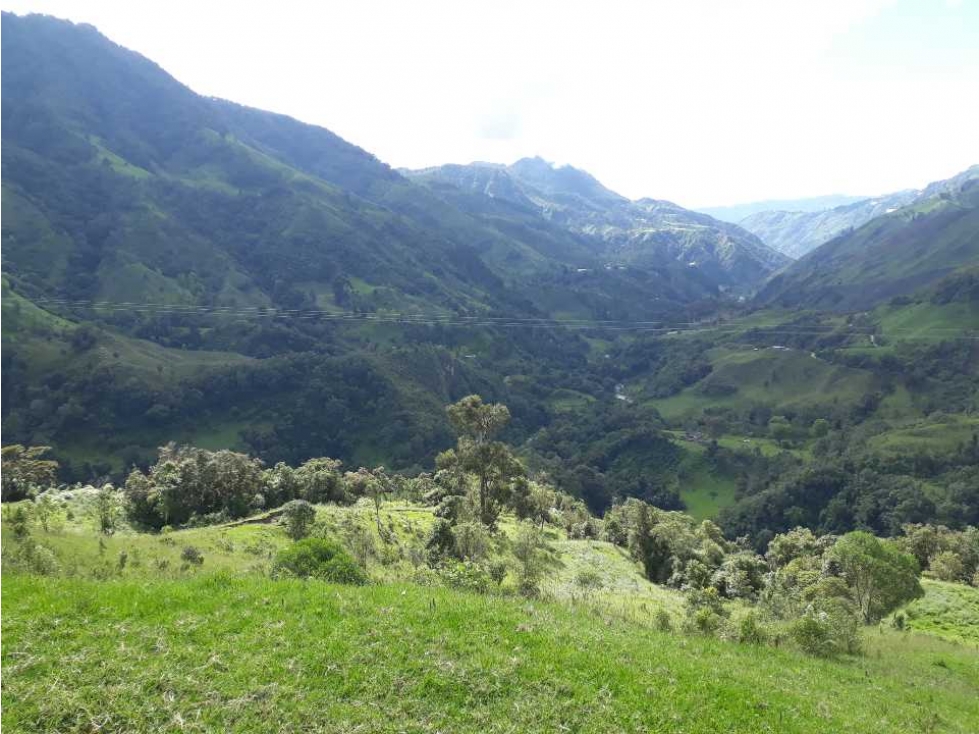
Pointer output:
638, 233
178, 267
125, 185
796, 233
736, 213
905, 249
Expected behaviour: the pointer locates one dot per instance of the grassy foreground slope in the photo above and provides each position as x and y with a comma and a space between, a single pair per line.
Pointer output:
250, 654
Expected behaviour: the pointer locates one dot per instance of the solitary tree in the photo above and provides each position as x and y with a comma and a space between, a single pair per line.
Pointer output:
492, 462
881, 577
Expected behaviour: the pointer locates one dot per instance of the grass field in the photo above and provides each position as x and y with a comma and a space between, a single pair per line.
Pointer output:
947, 434
251, 654
773, 377
947, 610
129, 638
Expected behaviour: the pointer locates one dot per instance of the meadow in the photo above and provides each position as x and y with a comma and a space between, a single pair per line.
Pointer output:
130, 637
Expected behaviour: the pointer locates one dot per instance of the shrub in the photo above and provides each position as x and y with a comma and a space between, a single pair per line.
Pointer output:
32, 557
831, 629
946, 566
465, 575
497, 572
440, 541
588, 579
322, 559
662, 620
529, 548
751, 630
811, 634
471, 541
705, 621
192, 556
298, 516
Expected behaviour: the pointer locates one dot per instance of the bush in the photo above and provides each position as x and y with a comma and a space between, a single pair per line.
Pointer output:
497, 572
32, 557
751, 630
946, 566
440, 542
298, 516
322, 559
829, 630
192, 556
588, 579
465, 575
811, 633
471, 541
663, 621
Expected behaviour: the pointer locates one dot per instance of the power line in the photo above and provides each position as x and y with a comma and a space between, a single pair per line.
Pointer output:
457, 320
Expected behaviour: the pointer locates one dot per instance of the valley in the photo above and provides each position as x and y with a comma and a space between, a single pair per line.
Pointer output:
295, 439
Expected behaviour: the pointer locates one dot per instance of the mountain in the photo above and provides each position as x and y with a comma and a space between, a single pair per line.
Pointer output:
737, 212
182, 267
795, 233
892, 255
639, 233
122, 184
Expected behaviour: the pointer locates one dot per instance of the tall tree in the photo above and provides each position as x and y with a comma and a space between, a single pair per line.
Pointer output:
492, 462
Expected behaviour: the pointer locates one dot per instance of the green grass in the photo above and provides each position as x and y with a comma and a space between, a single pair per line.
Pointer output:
946, 610
705, 494
785, 378
928, 319
159, 646
219, 653
945, 435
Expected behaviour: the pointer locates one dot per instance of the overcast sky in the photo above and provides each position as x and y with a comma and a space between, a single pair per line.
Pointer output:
704, 103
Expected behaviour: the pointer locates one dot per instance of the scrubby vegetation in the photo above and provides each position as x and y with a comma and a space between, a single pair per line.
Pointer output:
479, 526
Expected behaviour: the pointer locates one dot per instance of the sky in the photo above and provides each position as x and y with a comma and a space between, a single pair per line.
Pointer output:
701, 102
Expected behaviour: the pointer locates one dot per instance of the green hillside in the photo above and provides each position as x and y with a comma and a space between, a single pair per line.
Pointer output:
131, 636
210, 654
892, 255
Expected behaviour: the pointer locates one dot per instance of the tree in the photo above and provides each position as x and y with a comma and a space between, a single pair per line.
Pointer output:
492, 462
529, 548
820, 427
24, 469
108, 510
319, 480
299, 515
881, 577
374, 484
187, 481
780, 428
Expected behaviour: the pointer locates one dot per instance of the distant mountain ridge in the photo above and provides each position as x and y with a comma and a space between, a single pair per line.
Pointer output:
795, 233
641, 233
735, 213
891, 255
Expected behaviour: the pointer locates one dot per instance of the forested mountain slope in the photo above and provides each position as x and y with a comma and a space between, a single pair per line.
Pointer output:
796, 233
644, 232
122, 184
891, 255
